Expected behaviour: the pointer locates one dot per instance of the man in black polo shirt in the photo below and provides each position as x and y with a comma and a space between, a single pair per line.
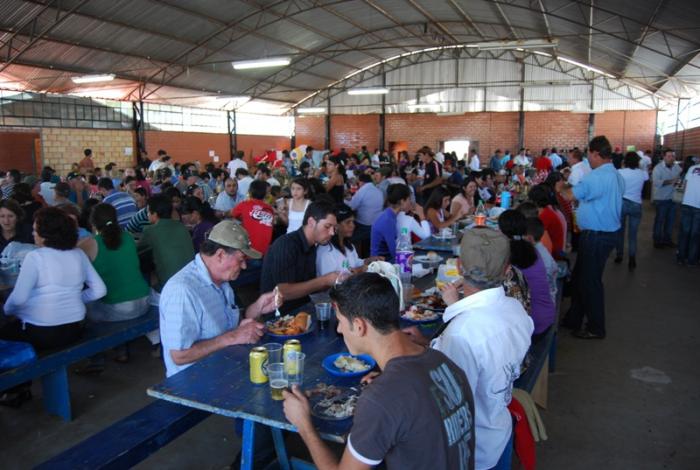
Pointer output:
290, 263
433, 173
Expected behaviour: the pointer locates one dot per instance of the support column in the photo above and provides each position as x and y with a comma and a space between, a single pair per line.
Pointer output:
521, 107
293, 138
591, 116
232, 135
138, 127
328, 125
382, 119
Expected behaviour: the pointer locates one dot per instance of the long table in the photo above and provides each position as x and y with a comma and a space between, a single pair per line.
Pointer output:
220, 384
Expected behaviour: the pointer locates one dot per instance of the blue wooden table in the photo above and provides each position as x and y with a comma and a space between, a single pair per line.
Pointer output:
220, 384
434, 244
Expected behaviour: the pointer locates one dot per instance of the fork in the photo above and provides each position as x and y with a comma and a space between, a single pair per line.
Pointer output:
277, 309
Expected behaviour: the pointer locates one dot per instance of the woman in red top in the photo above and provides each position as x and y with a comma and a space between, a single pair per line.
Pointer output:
543, 163
553, 224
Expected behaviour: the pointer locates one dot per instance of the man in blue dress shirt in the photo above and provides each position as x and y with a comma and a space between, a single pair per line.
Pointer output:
599, 196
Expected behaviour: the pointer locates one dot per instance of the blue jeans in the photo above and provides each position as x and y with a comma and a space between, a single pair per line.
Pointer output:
689, 236
632, 212
506, 459
588, 295
663, 222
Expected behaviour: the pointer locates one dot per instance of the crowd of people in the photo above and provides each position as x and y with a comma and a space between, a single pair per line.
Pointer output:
112, 241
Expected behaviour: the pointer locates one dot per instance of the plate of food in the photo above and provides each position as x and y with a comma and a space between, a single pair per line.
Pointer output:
347, 365
430, 257
415, 314
331, 402
289, 326
430, 299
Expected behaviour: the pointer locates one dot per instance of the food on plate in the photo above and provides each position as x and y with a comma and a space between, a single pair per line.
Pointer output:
432, 255
290, 325
324, 391
432, 302
337, 408
416, 293
350, 364
418, 314
332, 402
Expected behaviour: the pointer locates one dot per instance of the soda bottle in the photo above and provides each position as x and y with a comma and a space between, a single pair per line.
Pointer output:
480, 215
404, 251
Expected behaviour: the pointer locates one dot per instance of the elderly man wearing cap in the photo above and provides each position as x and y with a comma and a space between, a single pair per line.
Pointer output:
487, 334
198, 312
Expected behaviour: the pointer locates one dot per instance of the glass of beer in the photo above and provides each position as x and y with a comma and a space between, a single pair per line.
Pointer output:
323, 314
277, 379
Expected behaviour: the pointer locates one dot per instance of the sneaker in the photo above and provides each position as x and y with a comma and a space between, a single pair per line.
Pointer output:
585, 334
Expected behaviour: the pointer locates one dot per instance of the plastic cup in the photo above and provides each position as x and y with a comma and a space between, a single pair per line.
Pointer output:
274, 352
294, 367
407, 293
278, 380
323, 314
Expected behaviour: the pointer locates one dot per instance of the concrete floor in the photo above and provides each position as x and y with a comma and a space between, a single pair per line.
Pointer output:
627, 402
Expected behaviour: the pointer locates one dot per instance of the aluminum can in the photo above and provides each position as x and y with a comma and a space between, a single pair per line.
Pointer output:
290, 345
258, 362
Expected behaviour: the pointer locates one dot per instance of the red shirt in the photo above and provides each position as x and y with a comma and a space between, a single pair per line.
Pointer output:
552, 224
543, 164
257, 218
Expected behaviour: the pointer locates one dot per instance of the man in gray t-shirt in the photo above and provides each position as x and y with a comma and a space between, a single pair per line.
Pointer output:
419, 413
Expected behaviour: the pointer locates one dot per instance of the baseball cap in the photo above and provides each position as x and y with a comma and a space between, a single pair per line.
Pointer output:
484, 254
229, 233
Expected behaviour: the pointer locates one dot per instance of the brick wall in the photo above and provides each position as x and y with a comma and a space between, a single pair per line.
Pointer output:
555, 129
490, 130
310, 130
192, 146
351, 132
623, 128
17, 150
685, 142
63, 147
188, 146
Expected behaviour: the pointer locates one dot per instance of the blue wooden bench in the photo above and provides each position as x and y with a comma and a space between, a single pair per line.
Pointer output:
129, 441
52, 367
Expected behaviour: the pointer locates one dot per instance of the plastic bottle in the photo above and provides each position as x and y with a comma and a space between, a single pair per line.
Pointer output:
404, 251
480, 215
344, 272
505, 200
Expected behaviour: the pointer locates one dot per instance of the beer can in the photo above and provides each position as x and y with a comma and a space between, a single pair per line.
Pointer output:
258, 362
290, 345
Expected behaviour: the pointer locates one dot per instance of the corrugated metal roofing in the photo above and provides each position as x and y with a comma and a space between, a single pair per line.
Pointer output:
643, 42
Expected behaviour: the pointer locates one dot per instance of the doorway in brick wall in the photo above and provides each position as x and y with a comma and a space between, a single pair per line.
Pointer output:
459, 147
18, 150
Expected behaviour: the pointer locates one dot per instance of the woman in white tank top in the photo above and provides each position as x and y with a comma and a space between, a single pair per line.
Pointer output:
296, 206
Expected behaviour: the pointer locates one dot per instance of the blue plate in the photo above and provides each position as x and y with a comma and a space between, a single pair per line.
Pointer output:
312, 326
333, 370
438, 317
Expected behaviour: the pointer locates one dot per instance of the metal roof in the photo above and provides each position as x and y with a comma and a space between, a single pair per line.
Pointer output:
176, 51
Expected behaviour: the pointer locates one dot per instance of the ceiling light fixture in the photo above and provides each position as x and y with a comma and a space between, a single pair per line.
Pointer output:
524, 44
261, 63
106, 77
311, 110
368, 91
